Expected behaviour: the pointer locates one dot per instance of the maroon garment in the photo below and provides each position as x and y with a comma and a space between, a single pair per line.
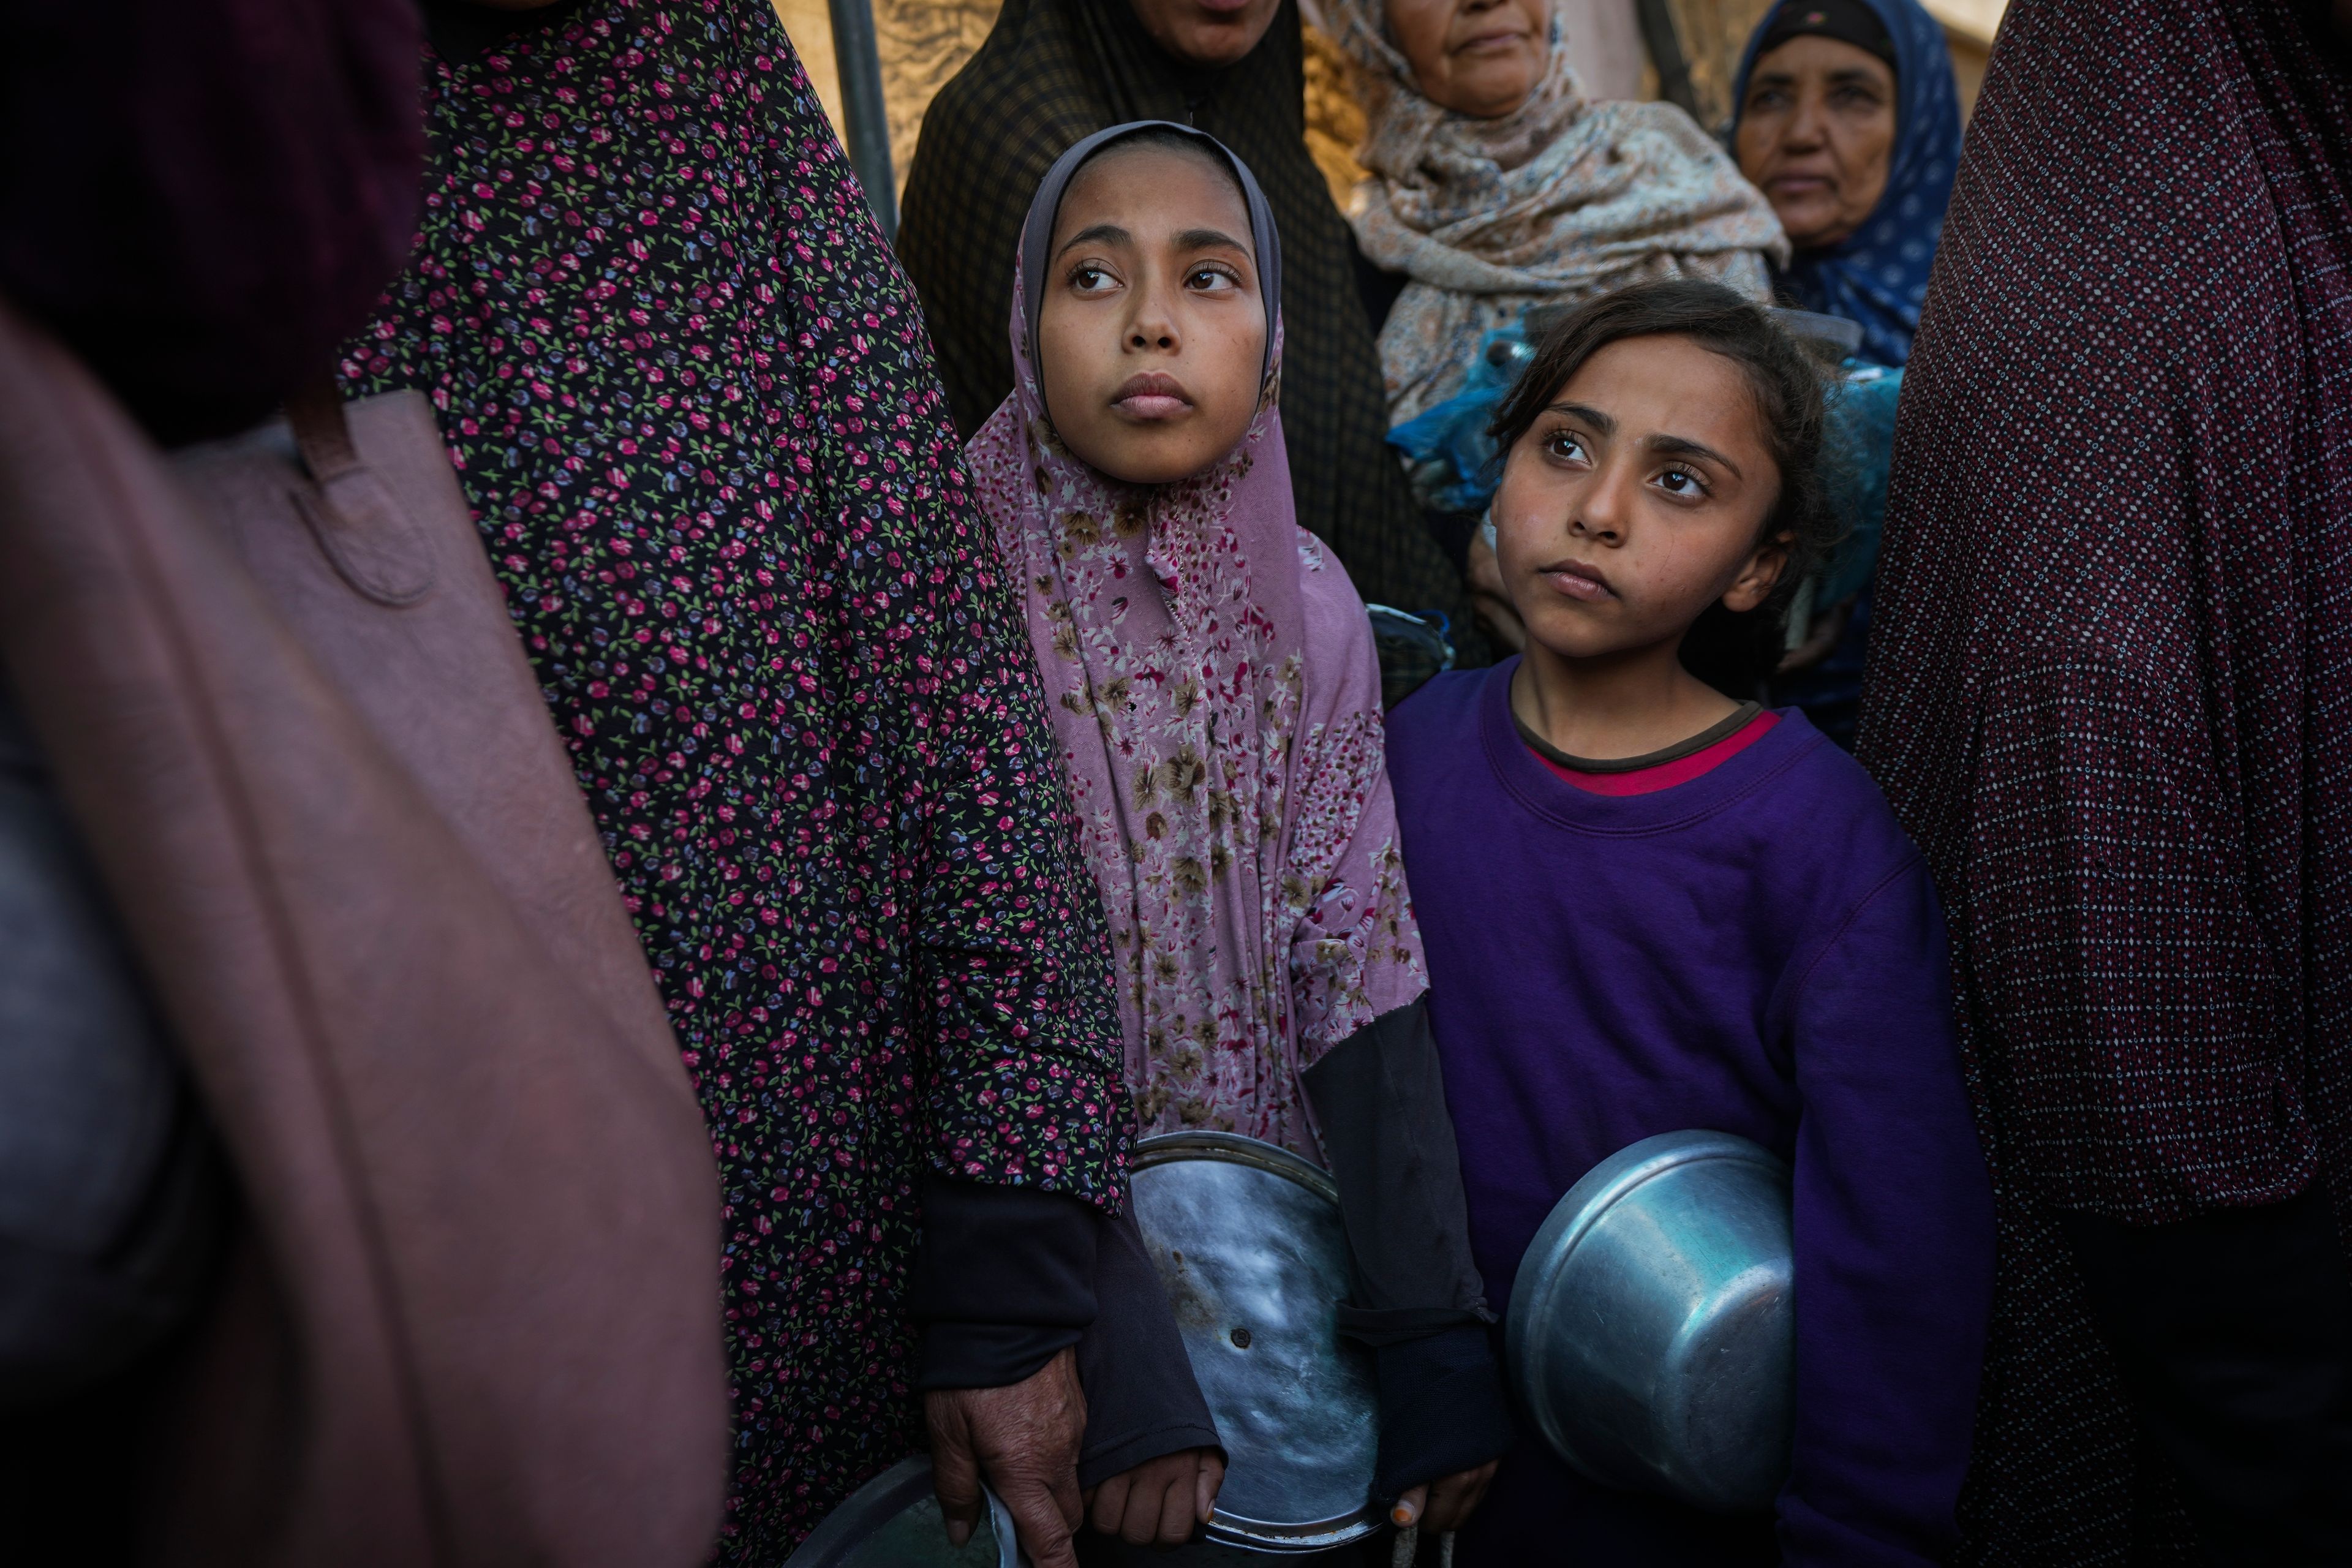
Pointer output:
203, 197
2110, 689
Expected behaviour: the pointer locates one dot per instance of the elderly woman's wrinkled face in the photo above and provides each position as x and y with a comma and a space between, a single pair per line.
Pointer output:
1205, 32
1151, 338
1479, 58
1816, 136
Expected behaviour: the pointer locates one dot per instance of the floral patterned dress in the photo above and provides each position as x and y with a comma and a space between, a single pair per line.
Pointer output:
692, 403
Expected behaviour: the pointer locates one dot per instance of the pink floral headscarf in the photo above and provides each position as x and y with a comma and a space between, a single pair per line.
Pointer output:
1215, 697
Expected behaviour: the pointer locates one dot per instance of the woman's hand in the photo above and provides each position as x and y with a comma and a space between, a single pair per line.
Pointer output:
1025, 1440
1487, 600
1160, 1501
1446, 1503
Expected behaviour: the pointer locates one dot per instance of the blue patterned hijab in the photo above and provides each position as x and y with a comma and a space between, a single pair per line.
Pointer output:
1878, 275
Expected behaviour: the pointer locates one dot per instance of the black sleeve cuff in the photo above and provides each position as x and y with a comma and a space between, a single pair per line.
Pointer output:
1142, 1400
1003, 1280
1376, 1327
986, 1355
1442, 1408
1380, 1100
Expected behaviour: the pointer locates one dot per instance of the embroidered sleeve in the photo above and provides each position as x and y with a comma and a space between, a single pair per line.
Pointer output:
1355, 952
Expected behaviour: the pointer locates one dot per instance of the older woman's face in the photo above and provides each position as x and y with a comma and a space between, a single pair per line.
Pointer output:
1479, 58
1816, 135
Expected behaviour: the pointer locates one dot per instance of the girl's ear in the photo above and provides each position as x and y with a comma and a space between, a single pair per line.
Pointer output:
1756, 579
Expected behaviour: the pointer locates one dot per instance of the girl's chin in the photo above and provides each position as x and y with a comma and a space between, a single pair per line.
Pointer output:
1148, 468
1144, 453
1568, 631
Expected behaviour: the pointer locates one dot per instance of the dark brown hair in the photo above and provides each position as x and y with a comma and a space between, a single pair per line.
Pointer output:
1733, 653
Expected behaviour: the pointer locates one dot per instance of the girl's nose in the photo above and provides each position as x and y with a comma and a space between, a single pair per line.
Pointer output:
1600, 511
1153, 324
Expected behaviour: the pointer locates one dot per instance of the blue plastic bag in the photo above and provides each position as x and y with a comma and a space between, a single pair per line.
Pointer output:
1448, 455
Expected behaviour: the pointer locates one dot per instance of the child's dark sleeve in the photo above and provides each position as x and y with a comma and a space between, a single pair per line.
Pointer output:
1894, 1242
1415, 1297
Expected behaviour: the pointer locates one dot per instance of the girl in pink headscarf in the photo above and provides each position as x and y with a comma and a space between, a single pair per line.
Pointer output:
1215, 694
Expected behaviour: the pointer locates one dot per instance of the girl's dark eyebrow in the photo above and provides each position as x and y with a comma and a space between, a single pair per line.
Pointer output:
1668, 445
1209, 239
1684, 447
1096, 232
1587, 412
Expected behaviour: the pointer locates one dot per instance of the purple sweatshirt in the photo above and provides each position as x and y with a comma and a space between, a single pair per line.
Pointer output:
1755, 951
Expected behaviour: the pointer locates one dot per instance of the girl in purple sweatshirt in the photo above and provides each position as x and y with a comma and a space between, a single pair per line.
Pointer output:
1651, 905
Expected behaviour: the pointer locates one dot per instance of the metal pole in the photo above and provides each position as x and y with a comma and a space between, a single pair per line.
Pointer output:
1659, 35
859, 61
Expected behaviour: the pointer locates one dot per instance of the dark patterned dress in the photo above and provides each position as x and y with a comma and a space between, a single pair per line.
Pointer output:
2110, 692
692, 403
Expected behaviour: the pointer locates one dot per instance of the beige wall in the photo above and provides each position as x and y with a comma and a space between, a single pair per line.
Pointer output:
1714, 32
1604, 43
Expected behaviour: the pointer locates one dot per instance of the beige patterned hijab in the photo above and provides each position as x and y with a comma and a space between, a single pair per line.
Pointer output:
1554, 203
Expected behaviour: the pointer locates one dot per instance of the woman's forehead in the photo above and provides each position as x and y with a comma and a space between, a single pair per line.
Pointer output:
1811, 57
1153, 190
1668, 385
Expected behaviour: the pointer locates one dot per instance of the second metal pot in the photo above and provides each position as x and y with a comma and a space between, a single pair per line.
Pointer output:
1651, 1330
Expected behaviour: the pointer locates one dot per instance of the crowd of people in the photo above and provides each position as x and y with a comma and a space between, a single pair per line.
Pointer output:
959, 648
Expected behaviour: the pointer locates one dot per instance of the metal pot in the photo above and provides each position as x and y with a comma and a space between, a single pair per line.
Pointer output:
893, 1522
1248, 1239
1651, 1330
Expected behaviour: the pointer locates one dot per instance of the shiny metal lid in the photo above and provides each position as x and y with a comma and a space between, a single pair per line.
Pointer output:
893, 1522
1248, 1239
1652, 1333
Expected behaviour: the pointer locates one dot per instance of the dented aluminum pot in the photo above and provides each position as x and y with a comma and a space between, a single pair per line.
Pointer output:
1652, 1333
1248, 1239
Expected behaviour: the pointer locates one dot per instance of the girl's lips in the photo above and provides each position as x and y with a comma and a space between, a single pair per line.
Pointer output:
1578, 582
1152, 397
